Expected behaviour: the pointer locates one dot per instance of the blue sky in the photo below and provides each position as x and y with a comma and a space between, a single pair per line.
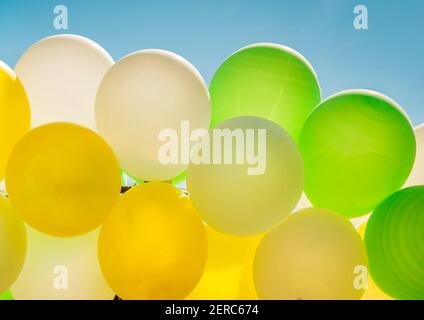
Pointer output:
388, 57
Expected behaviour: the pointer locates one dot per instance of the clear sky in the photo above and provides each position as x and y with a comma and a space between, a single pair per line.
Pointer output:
388, 57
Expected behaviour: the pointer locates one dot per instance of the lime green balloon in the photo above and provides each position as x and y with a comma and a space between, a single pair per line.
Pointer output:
6, 296
394, 239
269, 81
358, 147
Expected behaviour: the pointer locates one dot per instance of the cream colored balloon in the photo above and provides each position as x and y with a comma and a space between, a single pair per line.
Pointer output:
314, 254
61, 269
417, 174
61, 75
143, 94
303, 203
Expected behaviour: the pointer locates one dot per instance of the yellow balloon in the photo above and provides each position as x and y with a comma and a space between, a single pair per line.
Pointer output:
225, 251
63, 179
154, 245
373, 292
218, 284
14, 114
247, 286
314, 254
61, 269
228, 257
13, 244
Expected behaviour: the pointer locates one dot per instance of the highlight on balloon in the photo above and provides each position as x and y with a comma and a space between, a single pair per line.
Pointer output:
140, 180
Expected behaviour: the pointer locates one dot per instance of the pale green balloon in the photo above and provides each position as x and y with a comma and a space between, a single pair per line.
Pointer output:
358, 147
235, 201
265, 80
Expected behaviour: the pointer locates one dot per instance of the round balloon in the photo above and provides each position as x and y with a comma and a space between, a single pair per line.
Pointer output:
154, 245
14, 114
63, 179
226, 251
265, 80
247, 289
394, 238
61, 269
417, 174
13, 244
372, 292
358, 147
314, 254
228, 258
218, 284
147, 107
61, 74
252, 183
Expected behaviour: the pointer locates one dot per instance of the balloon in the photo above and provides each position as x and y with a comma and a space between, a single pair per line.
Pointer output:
225, 251
314, 254
63, 179
394, 239
146, 99
417, 174
12, 244
228, 257
265, 80
61, 269
6, 296
247, 289
14, 114
235, 200
61, 74
218, 284
373, 292
303, 203
154, 244
358, 147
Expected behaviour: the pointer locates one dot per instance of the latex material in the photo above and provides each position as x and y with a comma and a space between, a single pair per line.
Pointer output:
313, 254
63, 179
394, 238
358, 147
154, 244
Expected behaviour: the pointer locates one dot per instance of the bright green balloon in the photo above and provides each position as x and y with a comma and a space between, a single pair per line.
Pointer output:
6, 296
265, 80
358, 147
394, 239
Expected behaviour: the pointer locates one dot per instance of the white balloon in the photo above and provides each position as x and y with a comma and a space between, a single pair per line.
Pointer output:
143, 94
61, 75
303, 203
417, 174
61, 269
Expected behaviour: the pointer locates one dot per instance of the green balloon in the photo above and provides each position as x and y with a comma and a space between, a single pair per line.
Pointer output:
265, 80
6, 296
358, 148
180, 178
394, 239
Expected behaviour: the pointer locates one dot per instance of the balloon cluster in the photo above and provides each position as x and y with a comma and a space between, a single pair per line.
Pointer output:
72, 120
